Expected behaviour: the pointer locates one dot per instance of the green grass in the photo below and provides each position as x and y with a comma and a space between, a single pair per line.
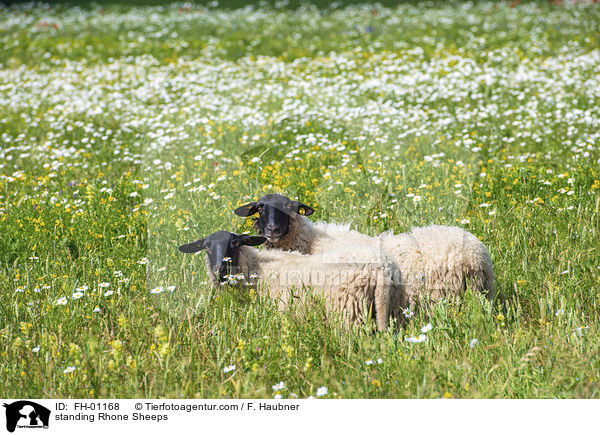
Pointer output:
126, 131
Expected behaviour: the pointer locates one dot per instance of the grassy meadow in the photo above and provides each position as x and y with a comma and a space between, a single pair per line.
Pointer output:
127, 131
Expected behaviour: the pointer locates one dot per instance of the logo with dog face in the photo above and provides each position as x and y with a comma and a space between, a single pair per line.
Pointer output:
26, 414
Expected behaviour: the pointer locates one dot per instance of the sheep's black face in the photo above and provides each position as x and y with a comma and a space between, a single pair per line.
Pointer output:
222, 251
274, 213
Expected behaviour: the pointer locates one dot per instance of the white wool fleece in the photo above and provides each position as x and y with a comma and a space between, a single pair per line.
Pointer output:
435, 261
349, 278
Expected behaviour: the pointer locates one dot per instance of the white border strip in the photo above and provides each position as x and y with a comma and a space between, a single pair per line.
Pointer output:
262, 416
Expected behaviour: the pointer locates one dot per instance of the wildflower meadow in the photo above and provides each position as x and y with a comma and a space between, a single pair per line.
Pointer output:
126, 131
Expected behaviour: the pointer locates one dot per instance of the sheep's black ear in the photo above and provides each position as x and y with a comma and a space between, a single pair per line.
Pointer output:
248, 240
190, 248
303, 209
246, 210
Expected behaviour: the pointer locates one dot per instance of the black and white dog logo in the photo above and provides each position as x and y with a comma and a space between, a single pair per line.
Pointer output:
26, 414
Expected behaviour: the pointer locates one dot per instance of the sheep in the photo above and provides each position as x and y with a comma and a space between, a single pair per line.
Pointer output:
435, 261
347, 277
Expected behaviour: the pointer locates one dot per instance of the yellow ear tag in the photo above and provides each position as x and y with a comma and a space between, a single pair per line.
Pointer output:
301, 211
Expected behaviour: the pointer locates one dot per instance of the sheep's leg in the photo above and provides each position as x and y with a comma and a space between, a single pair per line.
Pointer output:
382, 302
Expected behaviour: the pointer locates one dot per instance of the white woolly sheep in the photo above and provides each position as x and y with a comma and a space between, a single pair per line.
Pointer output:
349, 278
435, 261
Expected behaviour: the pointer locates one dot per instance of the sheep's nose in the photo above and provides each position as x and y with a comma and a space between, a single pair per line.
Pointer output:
272, 230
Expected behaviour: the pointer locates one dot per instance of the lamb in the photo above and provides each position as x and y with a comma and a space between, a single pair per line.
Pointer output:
435, 261
349, 278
